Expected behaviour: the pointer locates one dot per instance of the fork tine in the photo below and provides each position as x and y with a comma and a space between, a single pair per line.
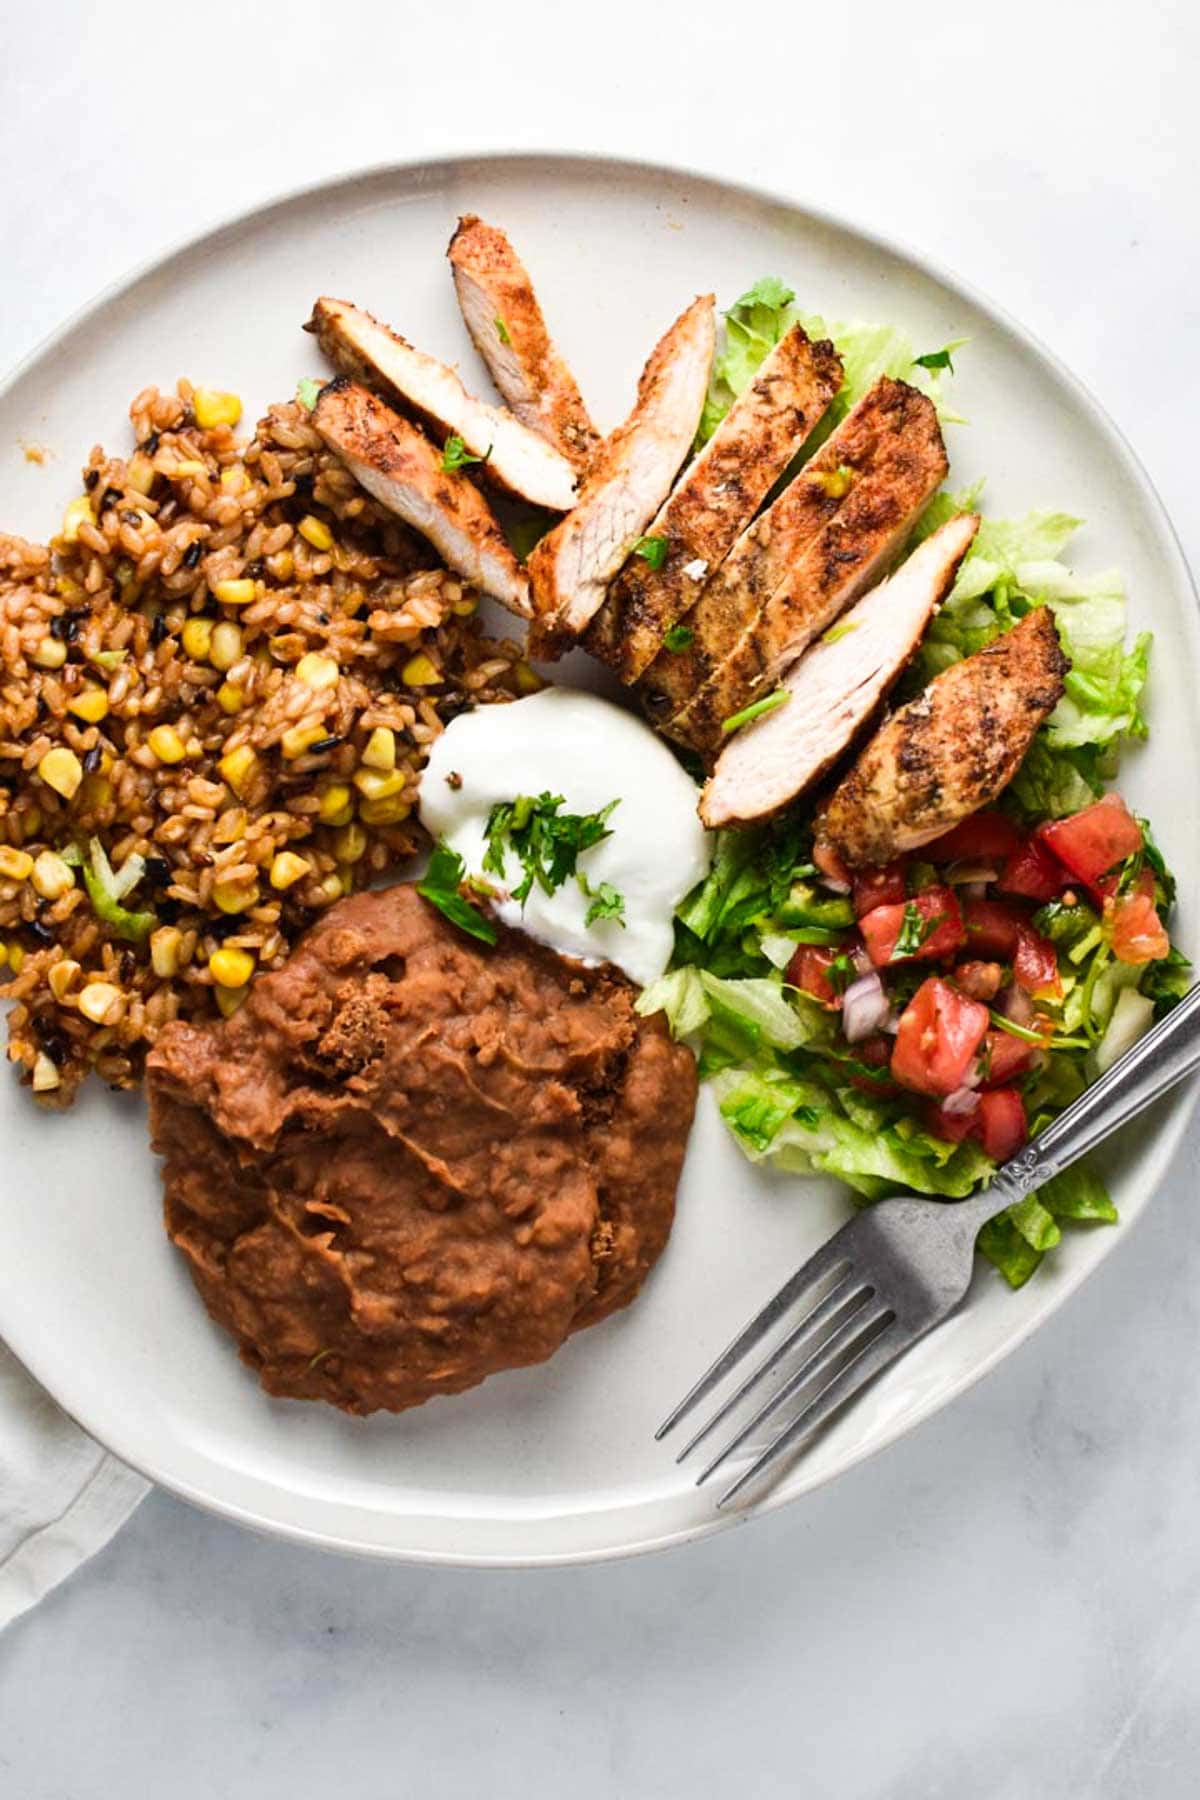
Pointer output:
826, 1259
805, 1336
871, 1360
851, 1333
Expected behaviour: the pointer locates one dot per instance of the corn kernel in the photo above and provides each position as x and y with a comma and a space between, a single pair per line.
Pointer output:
62, 977
235, 897
235, 593
465, 605
197, 638
332, 888
380, 752
164, 951
336, 804
80, 512
237, 768
384, 812
229, 967
299, 738
96, 793
67, 588
373, 784
167, 744
52, 877
419, 671
283, 565
234, 479
91, 705
139, 473
287, 869
212, 407
835, 483
15, 865
229, 999
350, 843
528, 679
16, 958
315, 532
31, 820
45, 1075
51, 653
98, 1001
61, 770
227, 646
317, 672
3, 953
230, 698
184, 470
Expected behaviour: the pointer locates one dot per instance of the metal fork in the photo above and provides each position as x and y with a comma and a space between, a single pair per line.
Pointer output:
902, 1266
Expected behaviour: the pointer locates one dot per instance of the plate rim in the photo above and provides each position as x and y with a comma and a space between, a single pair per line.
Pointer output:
1182, 1103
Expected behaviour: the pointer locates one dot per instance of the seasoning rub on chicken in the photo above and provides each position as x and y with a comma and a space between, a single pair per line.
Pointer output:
627, 481
828, 538
501, 312
950, 751
716, 498
396, 463
511, 456
832, 692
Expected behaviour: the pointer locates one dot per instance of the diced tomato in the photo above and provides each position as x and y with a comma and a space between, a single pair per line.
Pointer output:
1035, 965
982, 980
876, 1052
993, 928
1093, 841
1001, 1123
809, 971
1133, 928
938, 1039
879, 887
1005, 1057
830, 864
1032, 872
939, 927
1142, 883
953, 1126
984, 837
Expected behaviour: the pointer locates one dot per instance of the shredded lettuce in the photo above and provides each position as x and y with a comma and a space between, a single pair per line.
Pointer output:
1016, 1241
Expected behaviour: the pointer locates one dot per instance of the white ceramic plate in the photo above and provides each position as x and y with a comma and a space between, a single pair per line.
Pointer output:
556, 1463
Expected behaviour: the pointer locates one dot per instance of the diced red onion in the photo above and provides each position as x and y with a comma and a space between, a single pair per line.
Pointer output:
974, 890
971, 874
861, 959
961, 1103
832, 883
1017, 1006
864, 1008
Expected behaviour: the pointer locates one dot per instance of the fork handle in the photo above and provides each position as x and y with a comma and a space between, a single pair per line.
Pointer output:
1146, 1071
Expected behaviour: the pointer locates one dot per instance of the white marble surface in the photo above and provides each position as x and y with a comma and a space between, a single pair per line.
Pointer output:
1006, 1606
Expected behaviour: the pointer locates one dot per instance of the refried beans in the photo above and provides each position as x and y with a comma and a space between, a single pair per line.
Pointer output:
410, 1160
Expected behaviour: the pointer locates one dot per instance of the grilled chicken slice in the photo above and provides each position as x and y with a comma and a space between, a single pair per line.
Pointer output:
717, 497
627, 481
396, 463
501, 312
950, 751
835, 687
825, 541
516, 458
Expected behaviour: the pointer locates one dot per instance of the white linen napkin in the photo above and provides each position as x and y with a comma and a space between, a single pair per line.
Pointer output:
61, 1496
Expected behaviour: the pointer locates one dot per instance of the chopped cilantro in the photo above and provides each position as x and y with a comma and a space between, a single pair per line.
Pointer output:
680, 637
841, 972
502, 331
915, 931
455, 455
307, 392
607, 901
548, 843
440, 887
652, 550
756, 710
838, 631
836, 483
934, 359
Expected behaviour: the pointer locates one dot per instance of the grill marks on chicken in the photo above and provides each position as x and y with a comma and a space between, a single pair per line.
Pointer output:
950, 751
397, 464
833, 533
835, 688
512, 457
501, 312
627, 481
715, 499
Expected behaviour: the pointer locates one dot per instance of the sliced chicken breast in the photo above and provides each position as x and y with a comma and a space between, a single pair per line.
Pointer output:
717, 497
397, 464
835, 687
950, 751
514, 458
627, 481
501, 312
825, 541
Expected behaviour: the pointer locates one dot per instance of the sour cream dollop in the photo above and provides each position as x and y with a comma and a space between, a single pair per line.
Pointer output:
565, 742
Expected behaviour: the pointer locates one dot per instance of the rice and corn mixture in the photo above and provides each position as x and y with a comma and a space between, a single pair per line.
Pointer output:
218, 686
